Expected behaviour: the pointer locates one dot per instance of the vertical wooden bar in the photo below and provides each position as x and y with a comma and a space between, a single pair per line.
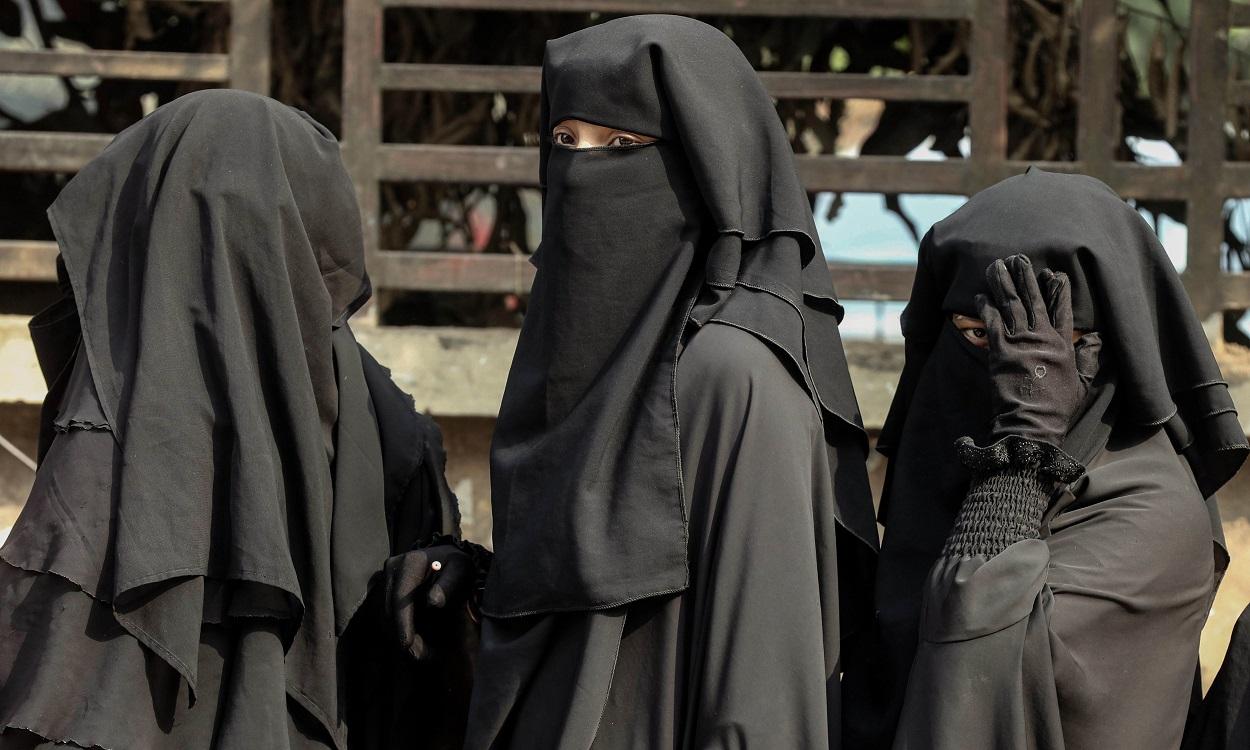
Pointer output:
362, 120
1098, 113
987, 114
1208, 84
249, 45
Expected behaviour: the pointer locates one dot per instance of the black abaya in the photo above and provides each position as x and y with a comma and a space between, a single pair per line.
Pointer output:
748, 656
639, 509
224, 470
1088, 636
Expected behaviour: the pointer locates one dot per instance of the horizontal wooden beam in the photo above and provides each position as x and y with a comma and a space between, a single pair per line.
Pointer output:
422, 162
38, 151
27, 260
501, 273
801, 8
148, 66
1238, 92
451, 271
782, 85
872, 281
512, 165
1238, 15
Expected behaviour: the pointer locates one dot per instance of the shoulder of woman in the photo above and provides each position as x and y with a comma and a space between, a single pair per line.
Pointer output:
734, 366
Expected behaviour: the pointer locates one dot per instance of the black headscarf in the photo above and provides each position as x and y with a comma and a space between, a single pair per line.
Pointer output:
214, 253
710, 222
1157, 372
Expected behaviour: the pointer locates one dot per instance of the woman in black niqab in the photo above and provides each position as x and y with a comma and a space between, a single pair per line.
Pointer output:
682, 517
223, 470
1073, 605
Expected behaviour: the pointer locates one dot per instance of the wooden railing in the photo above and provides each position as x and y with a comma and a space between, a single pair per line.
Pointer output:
1203, 182
245, 66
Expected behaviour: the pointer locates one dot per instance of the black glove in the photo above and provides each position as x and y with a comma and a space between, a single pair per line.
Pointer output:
427, 590
1039, 377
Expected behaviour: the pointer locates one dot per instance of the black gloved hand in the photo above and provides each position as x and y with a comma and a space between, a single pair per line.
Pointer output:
1039, 376
423, 602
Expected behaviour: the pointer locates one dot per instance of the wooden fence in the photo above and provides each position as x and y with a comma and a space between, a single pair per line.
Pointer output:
1203, 182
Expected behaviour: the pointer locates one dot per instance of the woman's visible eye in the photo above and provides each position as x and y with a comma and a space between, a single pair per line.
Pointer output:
623, 140
564, 138
975, 335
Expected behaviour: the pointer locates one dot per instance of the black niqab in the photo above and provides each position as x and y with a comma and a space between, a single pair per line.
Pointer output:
708, 223
1157, 371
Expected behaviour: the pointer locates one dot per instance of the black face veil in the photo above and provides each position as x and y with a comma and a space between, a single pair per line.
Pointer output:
708, 223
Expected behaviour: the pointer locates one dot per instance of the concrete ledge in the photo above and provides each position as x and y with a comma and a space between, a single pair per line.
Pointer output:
461, 372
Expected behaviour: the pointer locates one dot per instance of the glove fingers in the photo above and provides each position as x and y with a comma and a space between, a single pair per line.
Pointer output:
453, 581
993, 320
1006, 300
1025, 280
1059, 301
405, 575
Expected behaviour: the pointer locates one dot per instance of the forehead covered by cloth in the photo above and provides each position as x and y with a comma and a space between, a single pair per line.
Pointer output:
1069, 223
683, 81
1123, 285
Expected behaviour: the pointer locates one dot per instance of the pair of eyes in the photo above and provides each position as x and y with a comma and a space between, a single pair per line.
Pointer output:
563, 136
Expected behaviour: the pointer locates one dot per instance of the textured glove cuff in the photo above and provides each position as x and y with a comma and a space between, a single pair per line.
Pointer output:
1003, 507
1018, 453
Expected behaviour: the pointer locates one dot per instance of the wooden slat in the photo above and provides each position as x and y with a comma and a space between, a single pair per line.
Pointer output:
1236, 180
362, 116
868, 281
802, 8
884, 174
508, 165
27, 260
987, 113
1239, 92
249, 45
453, 272
1234, 291
1239, 15
26, 151
148, 66
1098, 113
504, 165
783, 85
497, 272
1208, 83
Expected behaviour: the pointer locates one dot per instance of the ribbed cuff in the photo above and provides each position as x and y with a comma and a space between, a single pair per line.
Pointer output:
1002, 507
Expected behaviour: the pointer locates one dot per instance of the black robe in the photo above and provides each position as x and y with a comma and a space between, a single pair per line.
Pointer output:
223, 470
1085, 638
638, 510
749, 654
1088, 636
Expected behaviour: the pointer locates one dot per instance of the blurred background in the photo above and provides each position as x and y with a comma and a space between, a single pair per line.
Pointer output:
897, 110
